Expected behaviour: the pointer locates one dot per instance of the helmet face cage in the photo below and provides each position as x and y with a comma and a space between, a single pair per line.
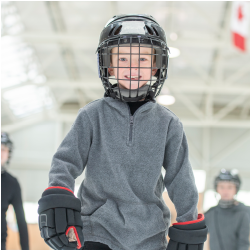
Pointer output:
132, 87
226, 175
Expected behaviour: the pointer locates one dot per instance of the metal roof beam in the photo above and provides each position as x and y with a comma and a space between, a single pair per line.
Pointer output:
202, 73
28, 121
237, 74
77, 40
231, 148
190, 105
229, 107
245, 110
205, 16
175, 85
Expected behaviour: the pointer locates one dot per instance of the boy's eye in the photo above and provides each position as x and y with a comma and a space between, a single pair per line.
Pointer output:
123, 59
143, 59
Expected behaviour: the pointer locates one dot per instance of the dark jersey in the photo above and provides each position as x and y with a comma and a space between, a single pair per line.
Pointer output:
11, 194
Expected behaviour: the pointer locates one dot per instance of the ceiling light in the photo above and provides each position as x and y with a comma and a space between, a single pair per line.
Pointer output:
165, 100
173, 36
173, 52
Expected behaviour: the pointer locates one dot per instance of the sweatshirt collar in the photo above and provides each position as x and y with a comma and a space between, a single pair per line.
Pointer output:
124, 108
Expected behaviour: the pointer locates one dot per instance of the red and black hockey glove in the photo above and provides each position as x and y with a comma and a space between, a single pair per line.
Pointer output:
59, 211
189, 235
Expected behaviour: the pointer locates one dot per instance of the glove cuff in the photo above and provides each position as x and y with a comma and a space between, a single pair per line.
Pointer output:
58, 190
199, 219
190, 232
192, 225
55, 197
58, 187
193, 237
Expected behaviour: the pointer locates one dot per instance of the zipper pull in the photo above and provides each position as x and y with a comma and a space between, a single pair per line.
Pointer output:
131, 120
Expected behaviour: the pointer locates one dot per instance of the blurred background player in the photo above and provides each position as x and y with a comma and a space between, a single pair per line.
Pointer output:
11, 194
228, 222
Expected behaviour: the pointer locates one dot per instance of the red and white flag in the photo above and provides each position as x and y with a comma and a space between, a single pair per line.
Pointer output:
240, 24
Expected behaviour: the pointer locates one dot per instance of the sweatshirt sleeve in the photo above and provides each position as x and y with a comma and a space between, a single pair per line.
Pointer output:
22, 225
71, 157
179, 178
243, 233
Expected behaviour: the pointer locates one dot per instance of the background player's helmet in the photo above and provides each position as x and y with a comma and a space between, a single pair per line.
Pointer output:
133, 31
228, 175
5, 139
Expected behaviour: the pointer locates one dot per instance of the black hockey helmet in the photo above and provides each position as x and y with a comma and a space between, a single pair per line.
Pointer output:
133, 31
228, 175
5, 139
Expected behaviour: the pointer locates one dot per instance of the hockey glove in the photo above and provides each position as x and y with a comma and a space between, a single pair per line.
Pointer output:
59, 213
189, 235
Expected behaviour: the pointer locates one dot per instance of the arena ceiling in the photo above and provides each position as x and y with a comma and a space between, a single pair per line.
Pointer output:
49, 65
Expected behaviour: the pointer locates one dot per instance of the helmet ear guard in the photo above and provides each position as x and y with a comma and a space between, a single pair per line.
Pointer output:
133, 31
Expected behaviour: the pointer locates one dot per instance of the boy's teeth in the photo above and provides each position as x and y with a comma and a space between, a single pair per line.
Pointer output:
132, 77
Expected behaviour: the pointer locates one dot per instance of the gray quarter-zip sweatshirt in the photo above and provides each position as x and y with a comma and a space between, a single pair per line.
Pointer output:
121, 195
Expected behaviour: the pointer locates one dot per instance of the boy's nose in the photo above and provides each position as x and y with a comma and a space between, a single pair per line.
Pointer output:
134, 68
134, 64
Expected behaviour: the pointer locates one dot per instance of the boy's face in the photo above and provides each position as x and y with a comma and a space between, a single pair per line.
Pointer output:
227, 190
142, 72
4, 154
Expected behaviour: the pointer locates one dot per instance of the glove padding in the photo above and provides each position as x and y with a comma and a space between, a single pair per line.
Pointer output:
189, 235
59, 211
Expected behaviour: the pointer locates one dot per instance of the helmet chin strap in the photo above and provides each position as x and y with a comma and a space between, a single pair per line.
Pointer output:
227, 203
131, 95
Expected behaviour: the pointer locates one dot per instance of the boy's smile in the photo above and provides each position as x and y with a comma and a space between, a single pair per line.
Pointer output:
132, 72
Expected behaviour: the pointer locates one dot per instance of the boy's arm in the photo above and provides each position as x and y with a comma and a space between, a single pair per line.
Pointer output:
20, 217
59, 210
71, 157
190, 232
179, 178
243, 233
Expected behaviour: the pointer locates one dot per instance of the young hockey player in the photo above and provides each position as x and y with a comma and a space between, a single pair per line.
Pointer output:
228, 222
11, 194
123, 140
